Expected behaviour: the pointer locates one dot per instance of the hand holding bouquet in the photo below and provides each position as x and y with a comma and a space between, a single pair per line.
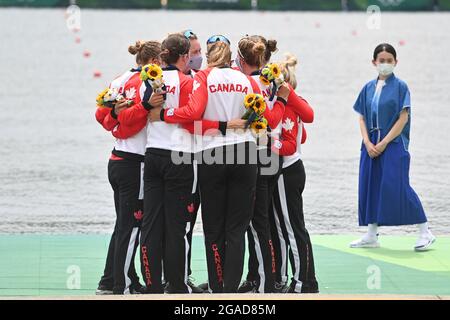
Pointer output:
271, 74
153, 74
259, 125
255, 105
109, 97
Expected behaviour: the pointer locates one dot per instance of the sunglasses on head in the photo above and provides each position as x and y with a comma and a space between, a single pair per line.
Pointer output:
218, 38
188, 34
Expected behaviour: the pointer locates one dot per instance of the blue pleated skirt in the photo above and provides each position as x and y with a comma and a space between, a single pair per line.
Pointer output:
385, 196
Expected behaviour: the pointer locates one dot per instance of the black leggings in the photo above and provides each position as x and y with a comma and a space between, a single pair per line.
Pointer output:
126, 181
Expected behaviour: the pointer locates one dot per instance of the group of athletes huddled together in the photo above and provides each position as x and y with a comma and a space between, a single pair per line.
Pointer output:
188, 145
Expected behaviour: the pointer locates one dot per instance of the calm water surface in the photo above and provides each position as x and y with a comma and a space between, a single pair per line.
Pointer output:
54, 155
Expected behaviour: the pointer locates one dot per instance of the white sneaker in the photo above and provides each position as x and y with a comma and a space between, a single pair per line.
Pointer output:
366, 242
102, 292
424, 242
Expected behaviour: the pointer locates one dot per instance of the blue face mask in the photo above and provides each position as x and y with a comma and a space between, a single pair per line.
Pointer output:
195, 63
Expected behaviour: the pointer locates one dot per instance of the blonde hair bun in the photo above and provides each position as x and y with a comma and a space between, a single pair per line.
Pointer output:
291, 60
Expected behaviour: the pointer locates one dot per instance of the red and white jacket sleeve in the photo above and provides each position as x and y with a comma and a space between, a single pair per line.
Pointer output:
275, 115
105, 118
287, 145
210, 127
195, 107
133, 119
300, 106
304, 135
206, 126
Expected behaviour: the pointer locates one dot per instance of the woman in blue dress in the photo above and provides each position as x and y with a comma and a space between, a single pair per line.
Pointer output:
385, 196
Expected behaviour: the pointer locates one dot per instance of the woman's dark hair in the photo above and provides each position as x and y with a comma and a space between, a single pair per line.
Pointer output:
174, 46
384, 47
271, 46
145, 51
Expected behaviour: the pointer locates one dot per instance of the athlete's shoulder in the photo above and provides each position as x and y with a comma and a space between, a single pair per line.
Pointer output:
184, 77
132, 86
205, 72
134, 80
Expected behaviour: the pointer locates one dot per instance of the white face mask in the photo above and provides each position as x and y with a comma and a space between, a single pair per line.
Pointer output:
385, 69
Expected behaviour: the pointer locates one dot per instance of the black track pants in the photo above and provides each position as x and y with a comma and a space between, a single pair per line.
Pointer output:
168, 209
261, 263
227, 195
196, 196
125, 177
290, 228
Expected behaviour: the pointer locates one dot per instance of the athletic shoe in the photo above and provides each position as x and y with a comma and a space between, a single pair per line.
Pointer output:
103, 290
312, 287
280, 287
204, 286
194, 288
166, 287
290, 288
247, 286
366, 242
137, 288
424, 242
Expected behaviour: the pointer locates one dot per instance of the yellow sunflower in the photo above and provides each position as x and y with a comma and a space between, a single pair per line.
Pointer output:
151, 72
259, 125
267, 72
264, 81
100, 96
275, 70
249, 100
155, 72
260, 105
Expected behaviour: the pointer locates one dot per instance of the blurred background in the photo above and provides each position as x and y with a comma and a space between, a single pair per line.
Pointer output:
331, 5
55, 59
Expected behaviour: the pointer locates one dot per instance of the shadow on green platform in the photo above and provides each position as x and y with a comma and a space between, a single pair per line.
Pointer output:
43, 265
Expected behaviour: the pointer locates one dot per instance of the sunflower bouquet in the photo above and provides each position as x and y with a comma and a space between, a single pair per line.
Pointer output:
108, 98
271, 74
259, 125
255, 106
153, 74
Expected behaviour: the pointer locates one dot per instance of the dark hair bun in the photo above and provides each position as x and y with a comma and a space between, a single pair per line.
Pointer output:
134, 49
272, 45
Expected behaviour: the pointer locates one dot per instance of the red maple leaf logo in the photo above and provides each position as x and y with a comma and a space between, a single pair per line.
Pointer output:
191, 208
138, 215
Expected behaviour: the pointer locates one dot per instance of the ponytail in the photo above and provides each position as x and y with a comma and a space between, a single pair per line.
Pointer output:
288, 69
